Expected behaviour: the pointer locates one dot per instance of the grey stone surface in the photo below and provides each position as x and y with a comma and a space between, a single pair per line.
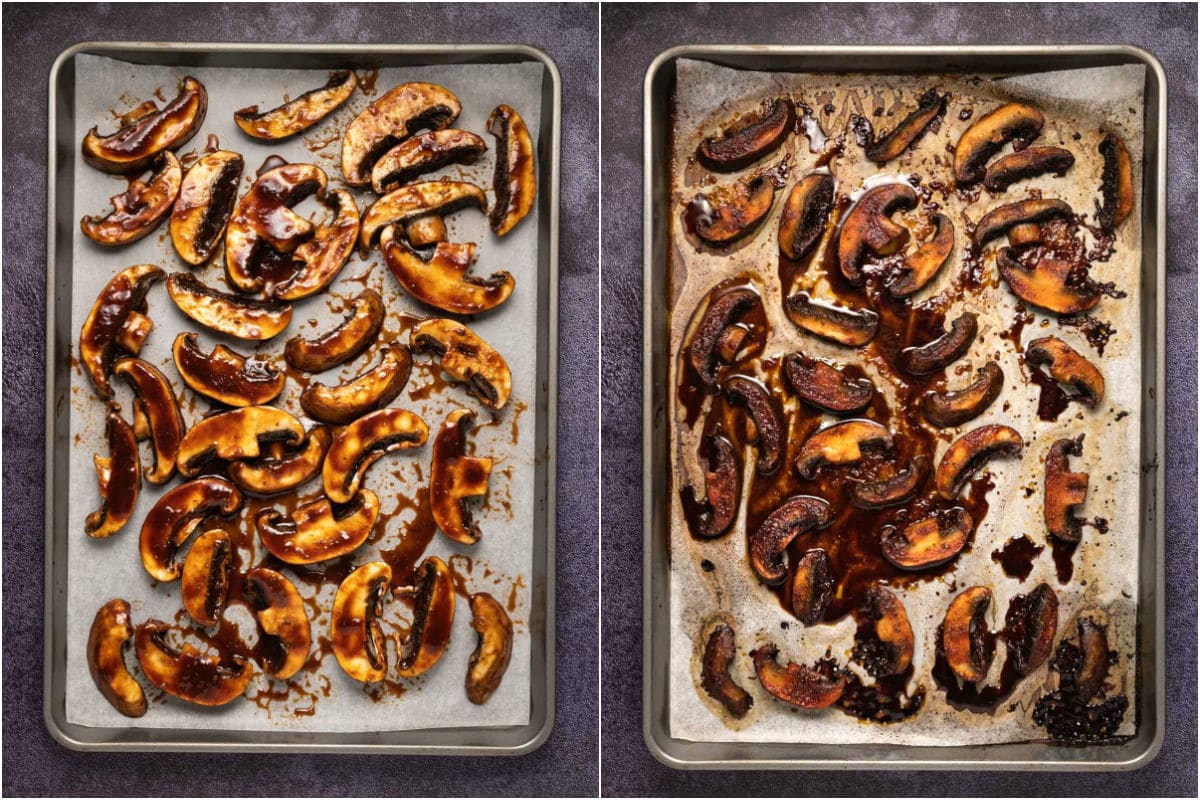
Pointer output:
632, 35
34, 764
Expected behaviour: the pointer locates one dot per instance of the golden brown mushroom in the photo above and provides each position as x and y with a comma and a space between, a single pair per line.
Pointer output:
240, 317
835, 323
120, 478
730, 212
139, 209
796, 684
424, 153
363, 442
117, 322
970, 452
454, 477
927, 542
316, 531
411, 203
433, 615
515, 178
868, 228
282, 621
299, 114
805, 215
287, 470
355, 333
224, 375
466, 358
155, 415
367, 392
951, 408
489, 660
176, 516
236, 435
749, 137
205, 203
793, 517
111, 630
1011, 122
840, 443
146, 132
204, 586
187, 673
968, 644
1116, 183
397, 115
318, 260
440, 279
358, 641
1064, 490
1067, 366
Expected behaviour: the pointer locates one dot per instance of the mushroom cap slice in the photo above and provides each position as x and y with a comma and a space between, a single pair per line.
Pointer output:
721, 314
425, 199
489, 660
796, 684
395, 116
176, 515
930, 106
236, 435
868, 227
1093, 642
927, 542
299, 114
766, 419
433, 615
823, 385
794, 516
424, 153
155, 415
970, 452
923, 264
1048, 285
111, 629
224, 375
204, 586
805, 215
1116, 184
466, 358
887, 648
952, 408
1067, 366
891, 491
1020, 214
363, 442
206, 200
187, 673
116, 321
1011, 122
719, 651
358, 641
722, 486
840, 443
812, 587
454, 477
1028, 163
730, 212
1064, 489
966, 641
839, 324
515, 178
749, 137
317, 532
952, 345
138, 210
272, 475
240, 317
355, 333
1030, 626
142, 138
120, 478
441, 279
282, 620
372, 389
319, 259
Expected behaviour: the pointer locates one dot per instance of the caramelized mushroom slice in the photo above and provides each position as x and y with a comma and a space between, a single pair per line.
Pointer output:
433, 615
465, 358
356, 332
928, 542
931, 106
729, 212
834, 323
363, 442
1012, 122
146, 132
840, 443
373, 389
952, 408
395, 116
868, 228
1017, 215
823, 385
812, 587
923, 264
206, 572
282, 621
291, 469
489, 660
240, 317
719, 651
1116, 183
111, 629
409, 203
1048, 285
205, 203
454, 477
887, 648
358, 641
722, 487
891, 491
1093, 642
805, 215
317, 532
1067, 366
749, 137
796, 684
722, 314
139, 209
1028, 163
300, 114
236, 435
1064, 489
968, 644
319, 259
176, 515
116, 322
970, 452
952, 345
155, 415
187, 673
424, 153
225, 376
515, 178
794, 516
441, 279
1029, 628
766, 420
120, 478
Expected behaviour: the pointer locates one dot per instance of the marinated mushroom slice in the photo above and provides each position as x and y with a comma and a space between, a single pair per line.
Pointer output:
373, 389
705, 351
282, 620
795, 516
1064, 490
433, 615
397, 115
319, 259
923, 264
187, 673
812, 587
155, 416
927, 542
354, 335
176, 516
1068, 367
1029, 628
823, 385
358, 641
409, 204
943, 351
224, 375
839, 324
765, 420
719, 651
439, 278
722, 486
796, 684
888, 492
1093, 643
1048, 285
288, 470
1028, 163
931, 106
749, 137
805, 215
300, 114
868, 228
515, 178
1116, 183
205, 203
236, 435
887, 646
111, 630
363, 442
316, 531
968, 644
1020, 214
240, 317
952, 408
146, 132
970, 452
732, 211
424, 153
465, 358
139, 209
204, 586
840, 443
120, 478
489, 660
1011, 122
455, 477
117, 322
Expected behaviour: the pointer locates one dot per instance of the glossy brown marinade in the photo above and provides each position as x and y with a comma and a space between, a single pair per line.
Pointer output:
224, 375
146, 131
117, 322
424, 153
299, 114
139, 210
155, 416
205, 203
345, 342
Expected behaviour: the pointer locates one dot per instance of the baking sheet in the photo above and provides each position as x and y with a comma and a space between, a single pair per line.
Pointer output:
325, 700
1080, 100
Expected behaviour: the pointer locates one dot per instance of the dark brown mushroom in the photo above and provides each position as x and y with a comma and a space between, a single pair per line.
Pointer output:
931, 106
923, 264
892, 491
515, 178
120, 478
395, 116
155, 416
1116, 183
176, 516
146, 132
466, 358
1048, 285
362, 394
282, 621
766, 420
868, 228
1064, 490
723, 312
433, 615
205, 203
286, 470
812, 587
1067, 366
968, 644
884, 646
796, 684
840, 443
1028, 163
408, 204
1029, 628
825, 386
1012, 122
440, 278
204, 587
805, 215
117, 322
363, 442
424, 153
240, 317
1093, 643
928, 542
952, 408
1019, 214
224, 375
850, 327
299, 114
770, 541
358, 641
111, 630
493, 650
316, 531
719, 650
749, 137
355, 333
318, 260
236, 435
730, 212
722, 488
952, 345
139, 209
970, 452
455, 477
187, 673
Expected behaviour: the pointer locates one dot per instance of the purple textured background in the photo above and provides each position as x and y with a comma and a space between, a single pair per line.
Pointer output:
34, 764
632, 37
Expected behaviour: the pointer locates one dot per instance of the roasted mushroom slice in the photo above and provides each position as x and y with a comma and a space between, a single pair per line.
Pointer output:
139, 209
440, 278
749, 137
1093, 644
823, 385
117, 321
968, 644
111, 629
712, 517
204, 586
424, 153
285, 471
892, 491
1048, 285
970, 452
300, 114
812, 587
176, 515
515, 178
1011, 122
120, 478
1067, 366
410, 203
719, 651
224, 375
953, 408
731, 211
187, 673
931, 106
147, 131
952, 345
868, 228
1020, 214
704, 351
433, 615
884, 646
1029, 628
358, 641
834, 323
1116, 183
1064, 489
454, 477
236, 435
794, 516
205, 203
155, 415
356, 332
282, 621
316, 531
489, 660
765, 422
465, 358
319, 259
240, 317
840, 443
395, 116
923, 264
373, 389
363, 442
927, 542
1027, 163
805, 215
796, 684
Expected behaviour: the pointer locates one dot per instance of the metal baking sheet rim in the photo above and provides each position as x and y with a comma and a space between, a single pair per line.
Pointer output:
1038, 756
476, 741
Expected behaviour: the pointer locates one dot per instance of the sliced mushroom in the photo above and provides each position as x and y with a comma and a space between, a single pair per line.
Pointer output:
1029, 628
1012, 122
139, 209
224, 375
823, 385
840, 443
155, 416
410, 203
395, 116
116, 322
465, 358
454, 477
187, 673
433, 615
749, 137
317, 531
952, 408
319, 259
358, 641
356, 332
373, 389
1093, 643
868, 228
176, 515
236, 435
889, 650
282, 621
927, 542
968, 644
120, 478
1028, 163
1116, 184
834, 323
722, 488
1018, 215
719, 651
147, 132
363, 442
891, 491
1064, 489
205, 203
952, 345
515, 178
766, 420
722, 314
796, 684
794, 516
931, 106
489, 660
204, 586
289, 470
111, 629
812, 587
1048, 285
424, 153
240, 317
805, 215
440, 279
731, 211
300, 114
923, 264
1067, 366
970, 452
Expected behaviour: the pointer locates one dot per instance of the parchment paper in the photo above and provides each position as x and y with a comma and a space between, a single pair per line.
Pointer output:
502, 560
1106, 574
